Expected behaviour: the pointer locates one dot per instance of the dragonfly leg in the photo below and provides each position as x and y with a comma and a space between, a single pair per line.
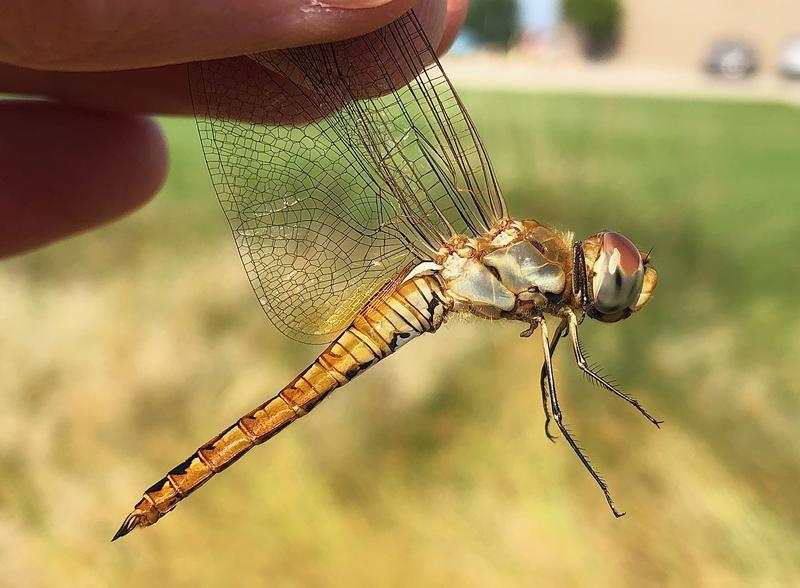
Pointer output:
557, 416
584, 366
532, 327
557, 336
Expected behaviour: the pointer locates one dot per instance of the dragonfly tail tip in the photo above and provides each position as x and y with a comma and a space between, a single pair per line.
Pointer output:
132, 521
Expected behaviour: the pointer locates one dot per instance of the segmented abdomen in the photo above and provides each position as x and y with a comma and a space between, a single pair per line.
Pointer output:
389, 321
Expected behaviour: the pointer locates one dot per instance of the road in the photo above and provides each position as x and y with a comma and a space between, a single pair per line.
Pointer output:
524, 74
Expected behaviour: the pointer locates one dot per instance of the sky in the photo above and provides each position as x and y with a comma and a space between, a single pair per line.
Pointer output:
538, 15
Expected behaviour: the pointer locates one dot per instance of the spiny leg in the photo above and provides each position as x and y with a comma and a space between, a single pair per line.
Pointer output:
560, 332
548, 364
543, 376
584, 366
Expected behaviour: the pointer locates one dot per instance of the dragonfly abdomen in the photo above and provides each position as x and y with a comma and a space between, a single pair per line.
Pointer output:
389, 321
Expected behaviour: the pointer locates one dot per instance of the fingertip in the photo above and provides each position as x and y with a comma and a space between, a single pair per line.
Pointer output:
67, 170
432, 15
95, 36
149, 154
454, 20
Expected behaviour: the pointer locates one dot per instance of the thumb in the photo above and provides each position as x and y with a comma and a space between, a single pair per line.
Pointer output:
85, 35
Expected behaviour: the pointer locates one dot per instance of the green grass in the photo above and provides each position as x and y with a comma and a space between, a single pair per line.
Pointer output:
124, 349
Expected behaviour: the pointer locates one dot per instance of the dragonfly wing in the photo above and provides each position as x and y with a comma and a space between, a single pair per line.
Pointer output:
306, 221
337, 165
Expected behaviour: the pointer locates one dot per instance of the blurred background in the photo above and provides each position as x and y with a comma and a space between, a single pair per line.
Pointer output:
124, 349
715, 48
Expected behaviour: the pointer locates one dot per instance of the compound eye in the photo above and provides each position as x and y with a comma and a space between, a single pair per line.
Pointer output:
618, 275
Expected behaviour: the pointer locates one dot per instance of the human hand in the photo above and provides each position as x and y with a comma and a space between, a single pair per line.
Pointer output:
90, 154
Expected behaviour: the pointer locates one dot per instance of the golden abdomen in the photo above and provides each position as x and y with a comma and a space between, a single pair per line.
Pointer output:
390, 320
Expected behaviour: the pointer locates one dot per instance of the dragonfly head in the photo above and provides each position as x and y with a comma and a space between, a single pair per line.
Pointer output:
613, 279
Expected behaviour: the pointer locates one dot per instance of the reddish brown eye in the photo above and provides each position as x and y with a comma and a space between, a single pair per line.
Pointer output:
628, 256
618, 276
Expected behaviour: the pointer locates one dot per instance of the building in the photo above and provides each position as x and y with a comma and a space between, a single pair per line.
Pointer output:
677, 34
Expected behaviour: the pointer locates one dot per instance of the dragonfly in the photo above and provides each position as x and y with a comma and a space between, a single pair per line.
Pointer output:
366, 212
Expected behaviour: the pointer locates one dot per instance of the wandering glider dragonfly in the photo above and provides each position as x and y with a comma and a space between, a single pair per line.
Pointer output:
366, 212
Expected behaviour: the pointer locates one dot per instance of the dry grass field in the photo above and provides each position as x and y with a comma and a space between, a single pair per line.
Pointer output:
122, 350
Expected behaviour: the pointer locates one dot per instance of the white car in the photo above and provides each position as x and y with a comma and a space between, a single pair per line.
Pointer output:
790, 58
731, 59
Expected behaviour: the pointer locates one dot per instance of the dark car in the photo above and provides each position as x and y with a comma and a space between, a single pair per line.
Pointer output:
733, 60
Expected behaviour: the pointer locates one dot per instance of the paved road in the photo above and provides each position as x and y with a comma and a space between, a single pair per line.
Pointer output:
517, 73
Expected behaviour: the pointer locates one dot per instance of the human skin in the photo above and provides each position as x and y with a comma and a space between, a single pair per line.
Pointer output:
91, 152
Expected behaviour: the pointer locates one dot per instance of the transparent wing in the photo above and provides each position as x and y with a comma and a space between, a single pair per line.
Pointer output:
337, 165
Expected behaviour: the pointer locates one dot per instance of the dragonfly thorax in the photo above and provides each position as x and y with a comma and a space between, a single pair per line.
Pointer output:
517, 270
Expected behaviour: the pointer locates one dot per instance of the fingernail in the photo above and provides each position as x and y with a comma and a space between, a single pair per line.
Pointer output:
347, 4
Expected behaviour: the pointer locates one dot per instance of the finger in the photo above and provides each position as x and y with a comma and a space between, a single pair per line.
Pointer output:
308, 84
86, 35
456, 15
165, 89
66, 170
367, 66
